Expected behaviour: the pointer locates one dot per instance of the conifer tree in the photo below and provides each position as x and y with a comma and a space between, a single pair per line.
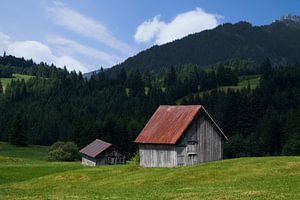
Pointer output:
1, 88
18, 133
136, 84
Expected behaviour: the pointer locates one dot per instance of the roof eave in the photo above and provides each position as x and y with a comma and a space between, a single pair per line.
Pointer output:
220, 130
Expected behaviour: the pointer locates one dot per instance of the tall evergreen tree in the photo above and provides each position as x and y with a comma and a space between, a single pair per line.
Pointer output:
1, 88
18, 132
122, 76
171, 78
136, 84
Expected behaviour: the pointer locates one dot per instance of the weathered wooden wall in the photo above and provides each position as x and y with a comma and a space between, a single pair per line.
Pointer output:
86, 160
110, 156
201, 143
157, 155
113, 156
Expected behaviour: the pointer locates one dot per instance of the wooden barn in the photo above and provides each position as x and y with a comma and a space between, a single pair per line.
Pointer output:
101, 153
180, 136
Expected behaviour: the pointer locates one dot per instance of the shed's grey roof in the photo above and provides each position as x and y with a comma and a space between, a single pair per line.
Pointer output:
95, 148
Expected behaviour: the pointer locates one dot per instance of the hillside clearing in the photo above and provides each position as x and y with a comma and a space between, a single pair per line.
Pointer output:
245, 178
252, 80
6, 81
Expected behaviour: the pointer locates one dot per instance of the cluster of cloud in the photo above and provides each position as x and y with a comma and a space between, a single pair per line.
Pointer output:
88, 27
62, 51
73, 47
39, 52
182, 25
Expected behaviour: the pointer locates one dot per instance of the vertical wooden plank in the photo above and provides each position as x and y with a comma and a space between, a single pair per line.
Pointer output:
202, 129
157, 156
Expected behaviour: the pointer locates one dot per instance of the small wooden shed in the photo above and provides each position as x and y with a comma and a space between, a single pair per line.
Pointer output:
180, 136
101, 153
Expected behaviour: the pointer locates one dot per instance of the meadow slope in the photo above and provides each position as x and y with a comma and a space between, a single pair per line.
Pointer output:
24, 174
244, 81
6, 81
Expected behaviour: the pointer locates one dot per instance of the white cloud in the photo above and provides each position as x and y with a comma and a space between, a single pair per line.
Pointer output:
71, 63
149, 29
31, 50
88, 27
73, 47
61, 52
183, 24
40, 52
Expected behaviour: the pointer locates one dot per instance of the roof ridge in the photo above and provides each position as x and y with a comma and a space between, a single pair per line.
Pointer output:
103, 141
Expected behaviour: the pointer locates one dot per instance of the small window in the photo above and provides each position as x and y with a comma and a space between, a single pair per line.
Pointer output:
180, 156
192, 147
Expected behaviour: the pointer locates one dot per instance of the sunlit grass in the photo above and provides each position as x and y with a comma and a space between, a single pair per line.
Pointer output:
6, 81
244, 81
243, 178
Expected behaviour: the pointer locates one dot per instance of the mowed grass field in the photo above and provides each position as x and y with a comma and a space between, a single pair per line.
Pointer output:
252, 80
6, 81
24, 174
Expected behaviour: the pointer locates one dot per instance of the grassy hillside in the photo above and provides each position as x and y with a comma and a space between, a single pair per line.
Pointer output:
6, 81
252, 80
25, 175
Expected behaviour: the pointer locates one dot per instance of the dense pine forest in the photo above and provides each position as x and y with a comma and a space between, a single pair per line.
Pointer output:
59, 105
279, 41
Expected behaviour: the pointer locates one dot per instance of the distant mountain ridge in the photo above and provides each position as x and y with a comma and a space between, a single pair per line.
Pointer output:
89, 74
279, 41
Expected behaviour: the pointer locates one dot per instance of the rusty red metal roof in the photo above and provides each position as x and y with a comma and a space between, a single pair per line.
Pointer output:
168, 124
95, 148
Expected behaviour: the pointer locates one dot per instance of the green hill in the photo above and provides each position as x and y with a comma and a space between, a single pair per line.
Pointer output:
279, 41
25, 175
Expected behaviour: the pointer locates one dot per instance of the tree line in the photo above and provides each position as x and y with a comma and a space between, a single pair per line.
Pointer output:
115, 106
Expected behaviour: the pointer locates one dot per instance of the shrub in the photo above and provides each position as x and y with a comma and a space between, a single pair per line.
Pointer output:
61, 151
56, 145
136, 158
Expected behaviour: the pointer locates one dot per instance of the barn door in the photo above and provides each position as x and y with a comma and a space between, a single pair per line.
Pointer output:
192, 159
192, 152
180, 156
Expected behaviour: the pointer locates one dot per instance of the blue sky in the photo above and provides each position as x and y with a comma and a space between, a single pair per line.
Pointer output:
87, 34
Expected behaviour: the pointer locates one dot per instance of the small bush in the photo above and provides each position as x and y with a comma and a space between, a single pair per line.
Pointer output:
136, 158
61, 151
56, 145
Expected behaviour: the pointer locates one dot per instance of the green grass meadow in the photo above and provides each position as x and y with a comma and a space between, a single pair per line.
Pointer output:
6, 81
24, 174
252, 80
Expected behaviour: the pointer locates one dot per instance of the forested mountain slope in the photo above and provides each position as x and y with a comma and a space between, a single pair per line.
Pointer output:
279, 41
263, 120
